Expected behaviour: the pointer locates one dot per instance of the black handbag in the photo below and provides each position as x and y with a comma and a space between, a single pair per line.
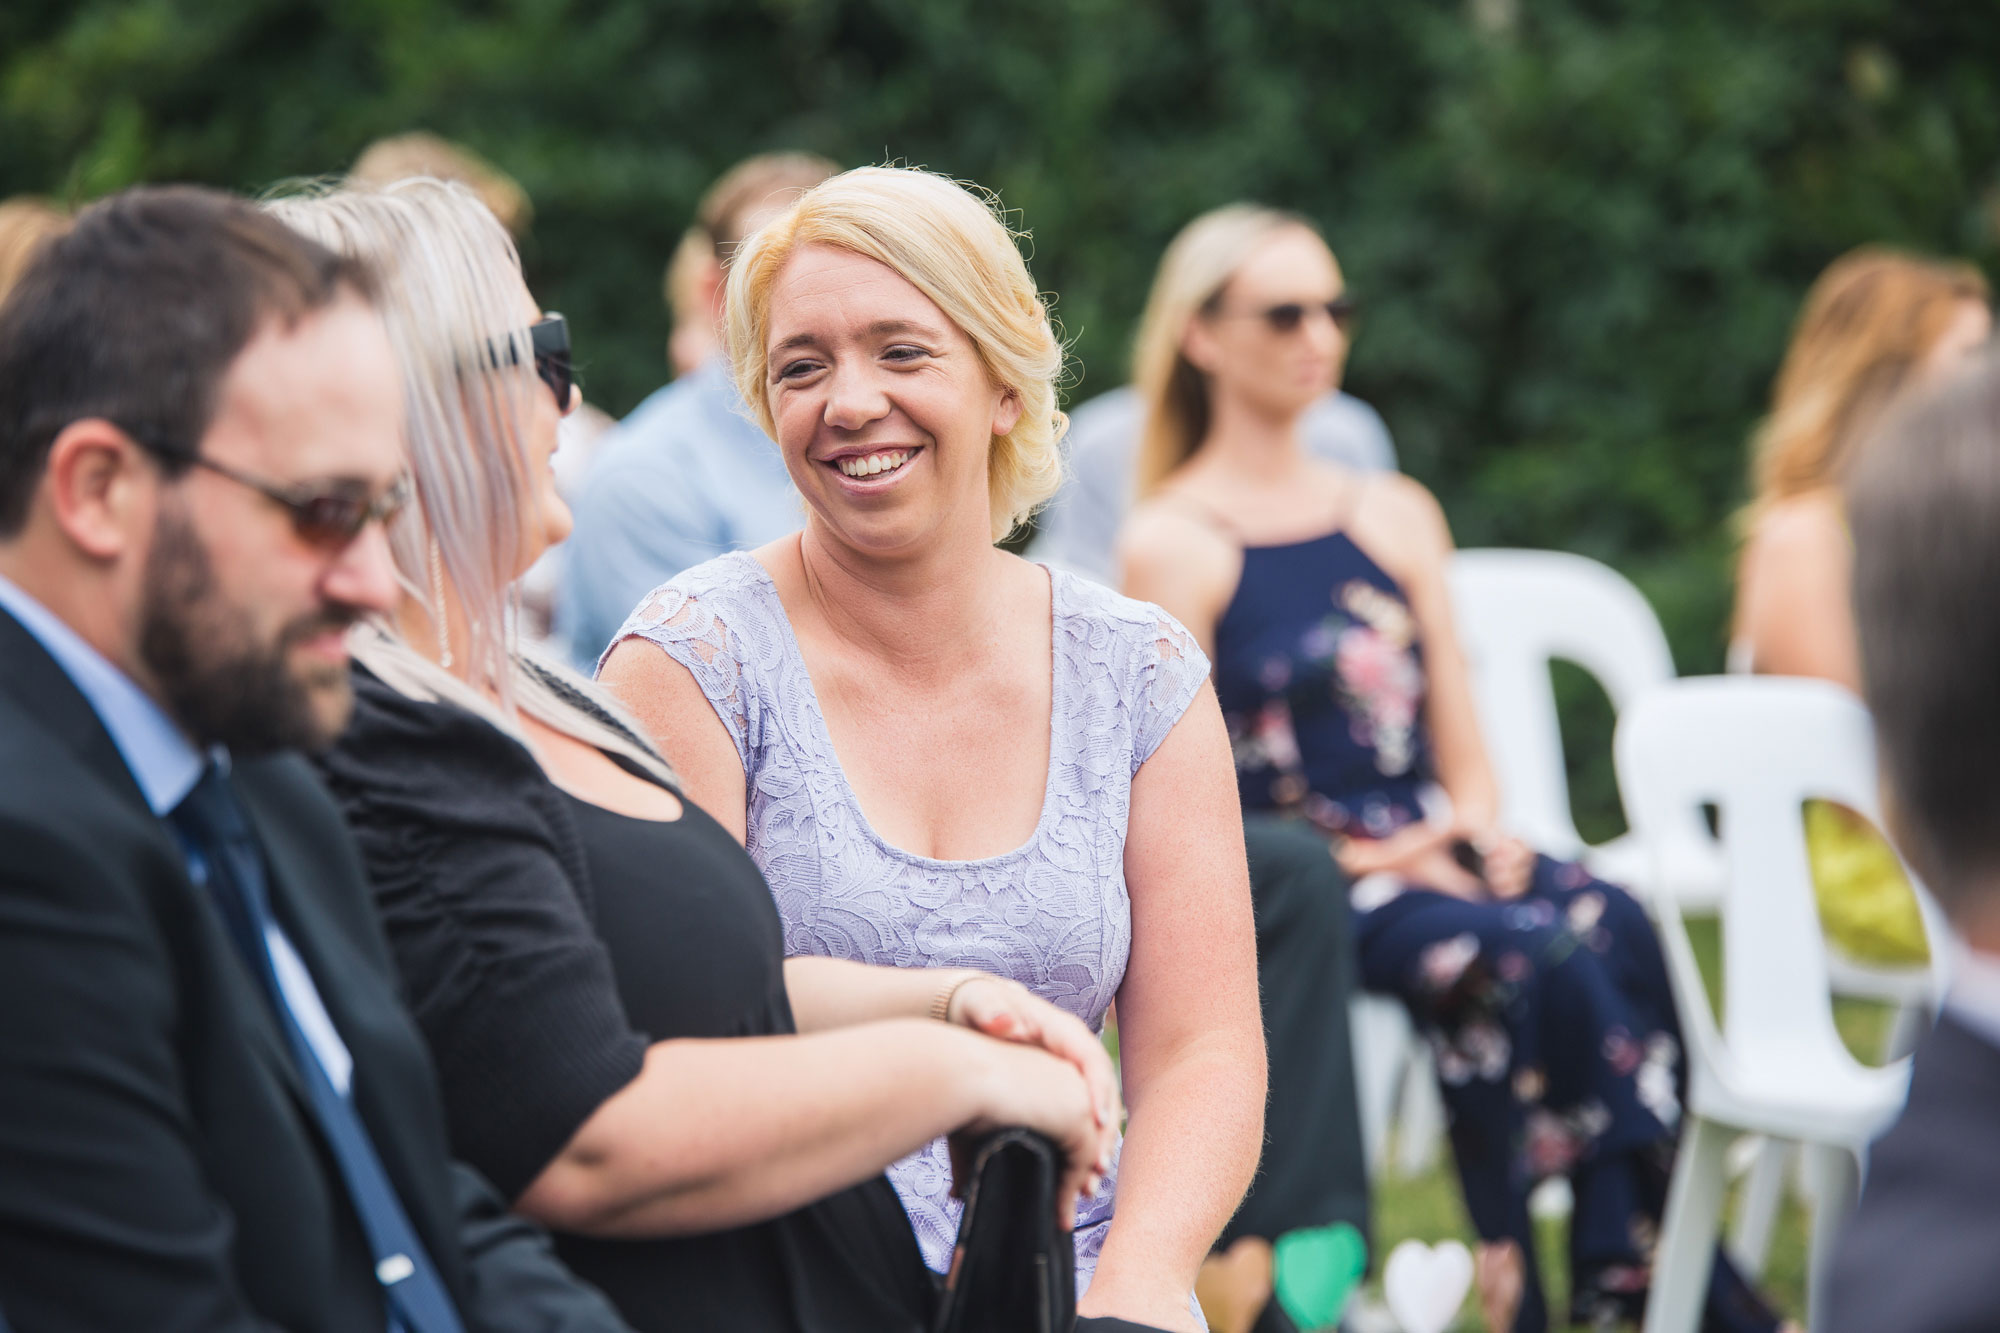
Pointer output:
1014, 1269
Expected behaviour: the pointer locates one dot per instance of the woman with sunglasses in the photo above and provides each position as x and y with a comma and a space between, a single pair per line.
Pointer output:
596, 964
1320, 595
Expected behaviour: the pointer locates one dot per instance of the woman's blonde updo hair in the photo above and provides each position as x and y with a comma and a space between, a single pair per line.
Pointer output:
1866, 325
1193, 272
952, 244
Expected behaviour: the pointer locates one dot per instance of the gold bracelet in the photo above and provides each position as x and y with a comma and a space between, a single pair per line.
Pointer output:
941, 1002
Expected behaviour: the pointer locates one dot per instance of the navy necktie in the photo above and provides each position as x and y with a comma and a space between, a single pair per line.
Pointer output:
218, 837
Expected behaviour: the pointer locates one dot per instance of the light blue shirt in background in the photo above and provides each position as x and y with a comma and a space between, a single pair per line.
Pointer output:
1080, 526
686, 477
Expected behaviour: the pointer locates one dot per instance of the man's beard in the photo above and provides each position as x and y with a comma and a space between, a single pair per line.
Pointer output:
215, 679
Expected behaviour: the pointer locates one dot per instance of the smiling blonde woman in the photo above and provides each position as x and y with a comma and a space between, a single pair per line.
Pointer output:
943, 755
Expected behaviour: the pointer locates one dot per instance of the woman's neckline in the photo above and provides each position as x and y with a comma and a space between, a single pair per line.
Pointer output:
824, 738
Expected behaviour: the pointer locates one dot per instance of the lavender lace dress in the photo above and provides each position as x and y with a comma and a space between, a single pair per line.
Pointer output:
1052, 914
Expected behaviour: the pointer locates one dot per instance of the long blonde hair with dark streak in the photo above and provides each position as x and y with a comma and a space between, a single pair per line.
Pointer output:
1193, 272
1866, 325
451, 287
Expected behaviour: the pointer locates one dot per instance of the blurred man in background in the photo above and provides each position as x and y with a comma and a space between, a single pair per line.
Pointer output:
1924, 504
687, 476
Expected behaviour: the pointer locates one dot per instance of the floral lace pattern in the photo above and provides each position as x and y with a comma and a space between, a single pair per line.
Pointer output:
1052, 914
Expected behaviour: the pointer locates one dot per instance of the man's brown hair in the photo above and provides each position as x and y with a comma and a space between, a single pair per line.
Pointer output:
135, 315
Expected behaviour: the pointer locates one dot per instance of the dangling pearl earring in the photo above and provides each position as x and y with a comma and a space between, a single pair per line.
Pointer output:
437, 605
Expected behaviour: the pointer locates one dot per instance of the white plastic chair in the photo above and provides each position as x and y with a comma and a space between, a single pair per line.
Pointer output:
1757, 748
1908, 989
1395, 1081
1517, 610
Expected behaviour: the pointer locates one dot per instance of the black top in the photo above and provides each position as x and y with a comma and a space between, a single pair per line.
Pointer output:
544, 943
158, 1166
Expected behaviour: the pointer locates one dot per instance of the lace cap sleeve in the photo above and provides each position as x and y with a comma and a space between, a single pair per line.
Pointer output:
1171, 673
693, 618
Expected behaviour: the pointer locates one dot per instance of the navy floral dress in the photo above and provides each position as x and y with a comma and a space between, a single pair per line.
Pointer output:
1550, 1014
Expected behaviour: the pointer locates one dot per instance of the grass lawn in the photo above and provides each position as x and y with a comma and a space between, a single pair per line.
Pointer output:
1427, 1207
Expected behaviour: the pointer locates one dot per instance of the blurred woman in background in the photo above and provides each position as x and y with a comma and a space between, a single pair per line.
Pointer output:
942, 754
596, 964
1875, 325
1320, 594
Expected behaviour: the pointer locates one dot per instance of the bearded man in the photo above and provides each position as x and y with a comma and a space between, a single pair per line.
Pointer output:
214, 1111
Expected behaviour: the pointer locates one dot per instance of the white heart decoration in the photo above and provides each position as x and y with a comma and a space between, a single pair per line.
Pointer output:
1424, 1285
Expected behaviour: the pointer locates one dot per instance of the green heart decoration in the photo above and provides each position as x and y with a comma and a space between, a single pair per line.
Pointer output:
1317, 1269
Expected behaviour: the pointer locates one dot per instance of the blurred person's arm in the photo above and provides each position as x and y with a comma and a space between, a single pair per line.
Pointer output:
1793, 608
1191, 1036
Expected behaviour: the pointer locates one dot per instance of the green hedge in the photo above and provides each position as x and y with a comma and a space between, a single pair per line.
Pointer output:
1580, 229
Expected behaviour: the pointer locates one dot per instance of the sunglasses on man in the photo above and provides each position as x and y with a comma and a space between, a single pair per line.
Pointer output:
331, 514
327, 514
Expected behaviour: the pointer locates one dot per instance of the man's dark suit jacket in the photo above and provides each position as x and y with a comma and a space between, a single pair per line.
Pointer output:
1922, 1254
159, 1166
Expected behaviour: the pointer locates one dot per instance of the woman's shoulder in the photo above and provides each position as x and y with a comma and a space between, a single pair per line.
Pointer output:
734, 583
403, 751
1809, 526
1136, 640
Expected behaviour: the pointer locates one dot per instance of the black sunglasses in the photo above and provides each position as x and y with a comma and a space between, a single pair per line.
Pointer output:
1287, 317
549, 337
326, 514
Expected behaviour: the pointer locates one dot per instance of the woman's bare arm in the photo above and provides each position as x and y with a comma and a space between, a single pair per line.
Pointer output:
1190, 1033
829, 993
1402, 525
721, 1133
664, 698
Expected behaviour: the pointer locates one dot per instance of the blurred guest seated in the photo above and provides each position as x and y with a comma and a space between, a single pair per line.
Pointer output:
942, 755
1875, 325
597, 964
1079, 528
24, 224
585, 429
214, 1111
1314, 1173
688, 475
1924, 499
1320, 593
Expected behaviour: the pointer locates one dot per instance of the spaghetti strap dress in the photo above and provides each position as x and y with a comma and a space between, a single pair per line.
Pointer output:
1550, 1015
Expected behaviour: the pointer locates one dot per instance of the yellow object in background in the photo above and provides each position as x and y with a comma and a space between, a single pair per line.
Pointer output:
1866, 904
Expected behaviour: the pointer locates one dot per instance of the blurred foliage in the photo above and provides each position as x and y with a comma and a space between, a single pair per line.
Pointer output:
1580, 227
